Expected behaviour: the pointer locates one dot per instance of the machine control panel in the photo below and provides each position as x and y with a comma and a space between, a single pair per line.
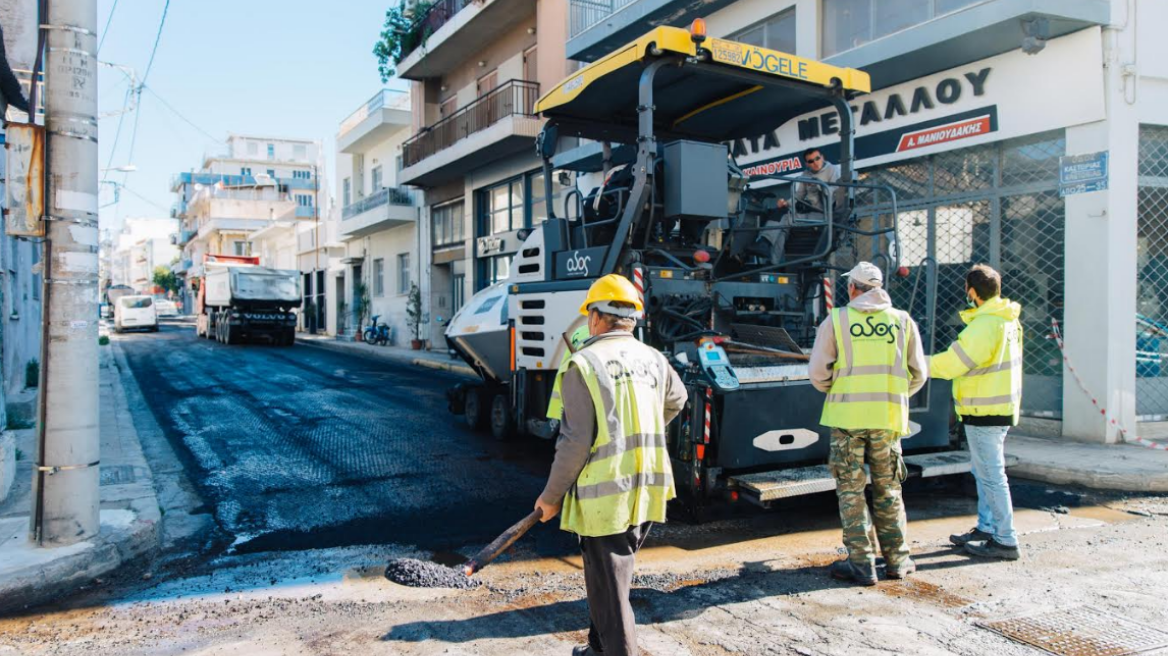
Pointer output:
716, 366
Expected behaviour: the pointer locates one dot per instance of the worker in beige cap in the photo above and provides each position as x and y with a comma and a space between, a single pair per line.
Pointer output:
868, 359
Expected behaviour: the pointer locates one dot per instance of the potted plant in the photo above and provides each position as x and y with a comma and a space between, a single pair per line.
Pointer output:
415, 318
361, 306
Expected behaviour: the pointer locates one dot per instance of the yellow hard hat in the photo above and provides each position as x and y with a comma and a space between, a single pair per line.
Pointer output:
610, 288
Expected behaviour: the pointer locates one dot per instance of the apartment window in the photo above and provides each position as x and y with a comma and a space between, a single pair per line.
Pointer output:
447, 223
271, 173
776, 32
304, 200
253, 149
346, 192
403, 273
851, 23
300, 151
487, 83
529, 69
241, 248
448, 107
379, 277
271, 151
302, 175
376, 175
245, 170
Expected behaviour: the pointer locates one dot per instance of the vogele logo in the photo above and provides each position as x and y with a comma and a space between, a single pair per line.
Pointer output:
578, 263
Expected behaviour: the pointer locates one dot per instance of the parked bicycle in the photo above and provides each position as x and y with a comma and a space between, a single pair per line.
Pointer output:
376, 333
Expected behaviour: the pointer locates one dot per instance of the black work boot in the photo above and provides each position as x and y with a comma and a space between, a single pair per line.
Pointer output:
991, 548
907, 567
974, 535
585, 650
846, 570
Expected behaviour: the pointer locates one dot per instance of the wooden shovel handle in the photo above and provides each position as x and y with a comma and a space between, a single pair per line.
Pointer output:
500, 544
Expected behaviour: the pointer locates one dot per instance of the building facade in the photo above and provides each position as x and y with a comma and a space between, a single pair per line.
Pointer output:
142, 245
476, 79
378, 220
1029, 137
257, 183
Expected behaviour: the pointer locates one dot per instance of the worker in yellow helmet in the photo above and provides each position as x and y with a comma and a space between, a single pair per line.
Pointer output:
868, 358
611, 476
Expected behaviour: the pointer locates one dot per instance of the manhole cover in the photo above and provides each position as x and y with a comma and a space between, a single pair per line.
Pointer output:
1081, 631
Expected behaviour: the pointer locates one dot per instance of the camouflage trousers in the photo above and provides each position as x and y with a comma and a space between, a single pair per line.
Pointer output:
880, 449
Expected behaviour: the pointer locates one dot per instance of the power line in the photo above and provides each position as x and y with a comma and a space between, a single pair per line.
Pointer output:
179, 114
107, 25
142, 83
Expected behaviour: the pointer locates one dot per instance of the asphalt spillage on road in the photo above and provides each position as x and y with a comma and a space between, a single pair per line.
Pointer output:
421, 574
301, 448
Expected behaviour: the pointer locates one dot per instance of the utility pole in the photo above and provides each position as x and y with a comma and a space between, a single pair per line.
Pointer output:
65, 482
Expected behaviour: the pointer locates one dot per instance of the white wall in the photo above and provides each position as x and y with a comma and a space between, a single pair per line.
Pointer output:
387, 245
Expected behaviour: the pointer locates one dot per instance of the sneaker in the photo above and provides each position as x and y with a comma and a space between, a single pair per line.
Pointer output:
585, 650
906, 568
846, 570
974, 535
991, 548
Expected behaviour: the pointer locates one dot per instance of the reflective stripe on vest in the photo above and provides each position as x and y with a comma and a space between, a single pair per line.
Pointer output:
995, 387
628, 477
870, 379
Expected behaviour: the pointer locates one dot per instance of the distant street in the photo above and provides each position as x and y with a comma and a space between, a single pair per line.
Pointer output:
301, 448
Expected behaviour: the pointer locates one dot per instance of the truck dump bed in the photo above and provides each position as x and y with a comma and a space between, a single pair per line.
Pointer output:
252, 284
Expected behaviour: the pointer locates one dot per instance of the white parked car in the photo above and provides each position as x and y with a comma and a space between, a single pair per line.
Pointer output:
165, 307
135, 313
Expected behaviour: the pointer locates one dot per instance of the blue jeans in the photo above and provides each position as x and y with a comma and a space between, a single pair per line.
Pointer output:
995, 512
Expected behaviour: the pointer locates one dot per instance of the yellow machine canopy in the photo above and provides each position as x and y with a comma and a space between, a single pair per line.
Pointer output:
728, 90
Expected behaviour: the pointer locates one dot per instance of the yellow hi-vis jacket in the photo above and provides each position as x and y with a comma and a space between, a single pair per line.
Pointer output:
870, 387
556, 405
985, 363
628, 477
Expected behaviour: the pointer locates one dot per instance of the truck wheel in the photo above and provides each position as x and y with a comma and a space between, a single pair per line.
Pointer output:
502, 422
289, 338
230, 334
474, 408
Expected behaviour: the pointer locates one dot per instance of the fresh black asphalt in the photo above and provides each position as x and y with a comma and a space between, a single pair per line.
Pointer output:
301, 447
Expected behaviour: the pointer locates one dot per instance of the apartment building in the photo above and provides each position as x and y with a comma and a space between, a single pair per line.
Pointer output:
378, 219
143, 244
1031, 136
476, 78
256, 183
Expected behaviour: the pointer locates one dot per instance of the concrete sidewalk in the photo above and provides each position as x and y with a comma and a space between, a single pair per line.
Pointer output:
1122, 467
129, 511
430, 359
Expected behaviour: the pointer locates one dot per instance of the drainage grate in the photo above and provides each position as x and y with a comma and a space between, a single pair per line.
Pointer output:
1081, 631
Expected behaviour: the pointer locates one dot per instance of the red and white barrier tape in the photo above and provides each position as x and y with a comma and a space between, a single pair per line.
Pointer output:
827, 295
1123, 432
639, 282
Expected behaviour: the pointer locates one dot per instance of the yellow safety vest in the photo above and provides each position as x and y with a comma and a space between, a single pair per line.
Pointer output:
556, 405
870, 385
985, 363
628, 478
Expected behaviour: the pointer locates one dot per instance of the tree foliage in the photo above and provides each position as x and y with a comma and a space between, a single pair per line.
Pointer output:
399, 36
165, 278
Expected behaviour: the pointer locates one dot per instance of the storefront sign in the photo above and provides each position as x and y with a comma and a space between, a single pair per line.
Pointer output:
998, 98
1080, 174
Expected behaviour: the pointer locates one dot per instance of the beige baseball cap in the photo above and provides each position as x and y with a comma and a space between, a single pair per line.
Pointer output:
866, 273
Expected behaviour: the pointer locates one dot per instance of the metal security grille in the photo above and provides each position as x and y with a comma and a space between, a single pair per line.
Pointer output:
997, 204
1152, 276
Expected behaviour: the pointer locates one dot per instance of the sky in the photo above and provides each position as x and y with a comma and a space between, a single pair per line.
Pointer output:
282, 68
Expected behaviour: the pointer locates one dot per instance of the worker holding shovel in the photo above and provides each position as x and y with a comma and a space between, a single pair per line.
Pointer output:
611, 475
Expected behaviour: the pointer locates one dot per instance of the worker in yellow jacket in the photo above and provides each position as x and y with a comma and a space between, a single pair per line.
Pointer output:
612, 475
985, 365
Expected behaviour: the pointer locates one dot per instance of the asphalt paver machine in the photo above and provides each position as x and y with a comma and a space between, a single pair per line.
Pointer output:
674, 212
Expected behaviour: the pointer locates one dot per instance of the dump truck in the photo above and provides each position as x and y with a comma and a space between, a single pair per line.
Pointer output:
240, 300
670, 208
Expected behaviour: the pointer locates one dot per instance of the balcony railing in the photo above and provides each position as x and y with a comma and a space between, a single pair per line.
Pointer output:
387, 196
384, 99
515, 97
583, 14
434, 18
